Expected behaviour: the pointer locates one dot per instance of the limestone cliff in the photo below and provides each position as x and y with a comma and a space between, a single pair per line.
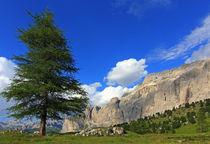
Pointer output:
157, 93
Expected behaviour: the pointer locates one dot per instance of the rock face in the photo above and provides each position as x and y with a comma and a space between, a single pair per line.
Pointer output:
157, 93
70, 126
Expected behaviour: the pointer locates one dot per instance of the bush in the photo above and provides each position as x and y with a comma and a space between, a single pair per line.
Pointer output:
140, 127
166, 125
176, 124
162, 130
154, 127
193, 104
201, 103
183, 119
190, 117
187, 105
168, 112
207, 102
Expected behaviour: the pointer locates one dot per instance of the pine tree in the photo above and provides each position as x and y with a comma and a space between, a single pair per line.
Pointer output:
44, 85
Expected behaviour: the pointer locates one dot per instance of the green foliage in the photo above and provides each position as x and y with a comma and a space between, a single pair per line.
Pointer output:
201, 104
202, 124
190, 117
187, 105
170, 120
158, 114
207, 102
176, 123
183, 119
140, 127
168, 112
154, 127
166, 127
44, 74
193, 104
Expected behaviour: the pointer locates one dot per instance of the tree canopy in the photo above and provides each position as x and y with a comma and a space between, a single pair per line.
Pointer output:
44, 85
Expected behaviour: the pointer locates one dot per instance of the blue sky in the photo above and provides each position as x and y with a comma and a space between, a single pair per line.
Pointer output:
116, 43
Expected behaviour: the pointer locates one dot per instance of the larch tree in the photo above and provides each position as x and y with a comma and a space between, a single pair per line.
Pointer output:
44, 85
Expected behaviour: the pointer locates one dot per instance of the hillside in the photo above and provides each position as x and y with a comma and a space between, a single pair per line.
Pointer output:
188, 118
158, 92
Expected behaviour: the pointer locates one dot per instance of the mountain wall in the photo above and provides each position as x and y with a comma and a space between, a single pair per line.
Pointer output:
158, 92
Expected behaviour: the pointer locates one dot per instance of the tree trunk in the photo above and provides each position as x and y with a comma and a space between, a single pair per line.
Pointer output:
44, 116
43, 126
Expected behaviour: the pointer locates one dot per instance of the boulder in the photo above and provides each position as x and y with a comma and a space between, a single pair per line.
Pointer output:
102, 132
118, 130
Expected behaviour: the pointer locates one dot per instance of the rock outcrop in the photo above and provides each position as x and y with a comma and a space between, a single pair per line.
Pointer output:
157, 93
102, 132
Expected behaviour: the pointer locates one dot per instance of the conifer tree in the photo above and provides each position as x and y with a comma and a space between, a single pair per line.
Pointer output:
44, 85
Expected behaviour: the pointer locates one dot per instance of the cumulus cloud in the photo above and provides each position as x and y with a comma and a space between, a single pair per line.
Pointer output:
138, 7
6, 73
102, 97
92, 88
199, 36
202, 53
127, 72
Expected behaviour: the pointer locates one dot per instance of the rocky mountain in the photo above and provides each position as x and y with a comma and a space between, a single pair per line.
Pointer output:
158, 92
14, 124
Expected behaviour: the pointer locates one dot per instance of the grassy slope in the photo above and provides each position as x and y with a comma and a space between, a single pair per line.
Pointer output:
179, 112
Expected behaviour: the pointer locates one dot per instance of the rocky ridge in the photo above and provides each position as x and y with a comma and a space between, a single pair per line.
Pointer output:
15, 124
158, 92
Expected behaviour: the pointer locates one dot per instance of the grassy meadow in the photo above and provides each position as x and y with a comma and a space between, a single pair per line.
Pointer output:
182, 136
187, 134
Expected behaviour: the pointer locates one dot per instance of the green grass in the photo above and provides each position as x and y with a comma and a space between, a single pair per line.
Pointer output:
191, 128
187, 129
132, 138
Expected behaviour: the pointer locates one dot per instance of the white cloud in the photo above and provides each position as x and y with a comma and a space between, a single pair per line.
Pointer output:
92, 89
127, 72
138, 7
198, 37
6, 73
202, 53
102, 97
